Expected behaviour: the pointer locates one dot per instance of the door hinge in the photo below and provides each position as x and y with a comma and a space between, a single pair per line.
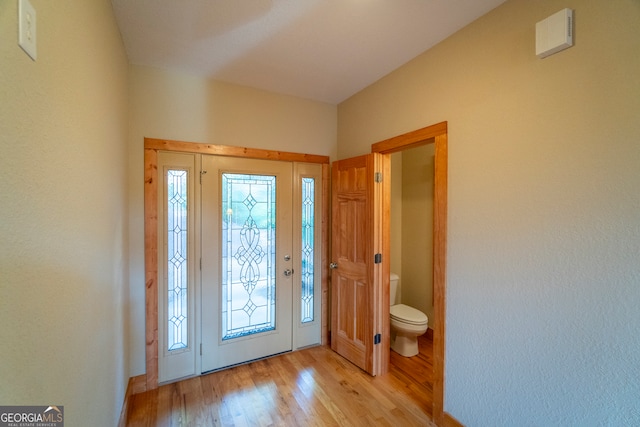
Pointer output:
377, 258
377, 338
200, 349
200, 264
377, 177
202, 173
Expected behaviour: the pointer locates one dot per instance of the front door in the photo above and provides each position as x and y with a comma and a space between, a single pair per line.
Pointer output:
238, 258
247, 265
359, 303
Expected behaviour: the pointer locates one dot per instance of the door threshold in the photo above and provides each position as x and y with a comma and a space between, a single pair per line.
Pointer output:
245, 362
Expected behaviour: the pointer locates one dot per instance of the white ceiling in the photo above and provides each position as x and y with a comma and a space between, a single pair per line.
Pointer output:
325, 50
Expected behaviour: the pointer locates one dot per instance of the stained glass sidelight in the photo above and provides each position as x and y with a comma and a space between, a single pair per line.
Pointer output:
308, 205
177, 259
248, 254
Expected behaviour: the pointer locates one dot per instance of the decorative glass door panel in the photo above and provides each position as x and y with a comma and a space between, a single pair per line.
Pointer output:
247, 266
248, 254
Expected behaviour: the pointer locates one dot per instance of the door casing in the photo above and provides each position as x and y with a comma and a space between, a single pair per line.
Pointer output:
435, 134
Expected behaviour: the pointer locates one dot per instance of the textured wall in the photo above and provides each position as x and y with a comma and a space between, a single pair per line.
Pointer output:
63, 212
412, 226
180, 107
417, 228
543, 277
396, 214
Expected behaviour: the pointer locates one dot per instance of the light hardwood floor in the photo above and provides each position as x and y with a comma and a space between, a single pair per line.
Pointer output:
311, 387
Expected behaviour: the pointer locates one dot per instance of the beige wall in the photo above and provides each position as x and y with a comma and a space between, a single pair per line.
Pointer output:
180, 107
396, 215
412, 173
416, 279
544, 223
63, 212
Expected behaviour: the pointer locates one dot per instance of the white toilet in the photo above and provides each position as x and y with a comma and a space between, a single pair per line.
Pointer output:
407, 323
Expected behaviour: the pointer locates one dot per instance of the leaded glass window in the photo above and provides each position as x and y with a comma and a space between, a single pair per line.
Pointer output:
248, 254
308, 227
177, 333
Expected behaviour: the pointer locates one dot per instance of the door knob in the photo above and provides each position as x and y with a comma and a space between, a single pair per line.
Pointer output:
288, 272
333, 265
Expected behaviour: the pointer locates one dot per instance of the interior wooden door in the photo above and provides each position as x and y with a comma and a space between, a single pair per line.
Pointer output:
360, 270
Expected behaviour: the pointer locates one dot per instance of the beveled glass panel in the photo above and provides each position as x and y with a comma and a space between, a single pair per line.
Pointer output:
307, 256
177, 314
248, 254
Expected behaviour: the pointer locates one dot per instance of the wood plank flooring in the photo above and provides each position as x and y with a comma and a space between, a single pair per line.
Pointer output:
311, 387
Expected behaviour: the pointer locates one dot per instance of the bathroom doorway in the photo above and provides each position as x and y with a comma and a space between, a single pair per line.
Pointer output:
412, 185
411, 256
436, 135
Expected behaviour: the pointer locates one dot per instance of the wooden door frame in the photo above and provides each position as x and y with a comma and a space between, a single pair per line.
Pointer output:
151, 148
435, 134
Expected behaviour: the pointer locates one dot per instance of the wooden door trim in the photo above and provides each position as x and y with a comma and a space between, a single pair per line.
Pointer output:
151, 148
411, 139
225, 150
434, 134
382, 245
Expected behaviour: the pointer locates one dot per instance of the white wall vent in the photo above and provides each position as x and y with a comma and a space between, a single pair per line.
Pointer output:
554, 33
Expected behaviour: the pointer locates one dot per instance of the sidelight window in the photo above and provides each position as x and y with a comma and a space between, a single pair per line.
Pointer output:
177, 315
308, 231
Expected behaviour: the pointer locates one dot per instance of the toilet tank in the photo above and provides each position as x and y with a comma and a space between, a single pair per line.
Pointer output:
393, 288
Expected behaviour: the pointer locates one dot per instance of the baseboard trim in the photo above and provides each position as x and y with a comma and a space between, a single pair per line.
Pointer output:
138, 384
450, 421
429, 334
135, 385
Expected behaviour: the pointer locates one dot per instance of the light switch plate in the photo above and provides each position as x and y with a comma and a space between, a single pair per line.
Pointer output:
27, 28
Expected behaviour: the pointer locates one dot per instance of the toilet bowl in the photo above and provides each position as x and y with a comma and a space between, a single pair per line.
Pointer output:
407, 323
